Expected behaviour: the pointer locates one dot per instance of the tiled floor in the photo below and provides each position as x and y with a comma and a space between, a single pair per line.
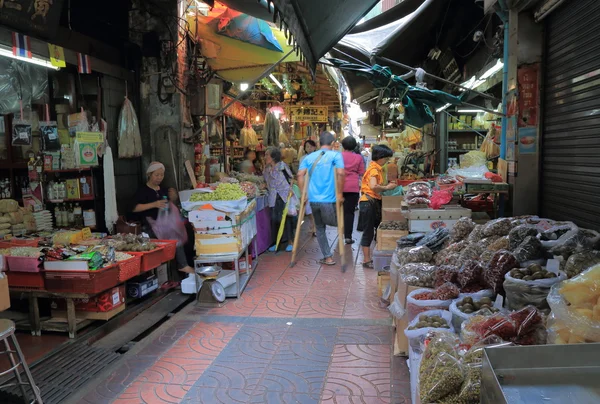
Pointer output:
302, 334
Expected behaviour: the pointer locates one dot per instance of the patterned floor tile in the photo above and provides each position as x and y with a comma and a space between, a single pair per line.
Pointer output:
192, 348
232, 375
203, 394
248, 352
311, 335
260, 333
361, 356
279, 304
365, 335
313, 355
294, 379
369, 382
175, 371
324, 306
279, 397
339, 399
152, 393
223, 331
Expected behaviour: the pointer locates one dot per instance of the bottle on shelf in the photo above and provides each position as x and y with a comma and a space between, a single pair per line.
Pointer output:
71, 215
51, 193
64, 215
78, 215
57, 216
62, 191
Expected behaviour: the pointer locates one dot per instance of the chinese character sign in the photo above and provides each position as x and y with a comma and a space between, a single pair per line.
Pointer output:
309, 113
528, 95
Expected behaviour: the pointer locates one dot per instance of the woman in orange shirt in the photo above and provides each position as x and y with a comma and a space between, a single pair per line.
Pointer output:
370, 201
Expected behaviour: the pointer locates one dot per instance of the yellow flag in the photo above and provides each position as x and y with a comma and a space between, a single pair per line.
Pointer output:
57, 55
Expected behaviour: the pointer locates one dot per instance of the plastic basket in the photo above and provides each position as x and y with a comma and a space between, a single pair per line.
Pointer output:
169, 249
27, 242
129, 268
23, 264
90, 282
26, 280
150, 259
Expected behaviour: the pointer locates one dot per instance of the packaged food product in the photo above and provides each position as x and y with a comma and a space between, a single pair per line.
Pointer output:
518, 234
409, 240
467, 306
418, 274
471, 272
419, 254
476, 234
502, 262
435, 240
575, 305
501, 243
585, 239
462, 228
445, 273
421, 300
446, 257
440, 372
580, 261
470, 253
446, 291
529, 286
499, 227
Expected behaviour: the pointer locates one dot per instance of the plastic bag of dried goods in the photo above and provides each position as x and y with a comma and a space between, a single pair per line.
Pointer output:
426, 322
421, 300
441, 374
558, 234
418, 274
530, 286
130, 141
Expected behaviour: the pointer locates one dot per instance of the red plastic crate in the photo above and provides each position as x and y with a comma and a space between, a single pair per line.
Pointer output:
29, 242
169, 249
23, 264
150, 259
90, 282
129, 268
26, 280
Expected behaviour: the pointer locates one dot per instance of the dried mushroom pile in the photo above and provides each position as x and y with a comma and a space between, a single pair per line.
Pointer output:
130, 243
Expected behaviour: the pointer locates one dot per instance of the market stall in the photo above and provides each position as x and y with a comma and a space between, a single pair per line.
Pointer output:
468, 287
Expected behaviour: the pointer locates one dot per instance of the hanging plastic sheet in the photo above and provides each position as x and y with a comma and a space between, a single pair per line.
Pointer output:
21, 81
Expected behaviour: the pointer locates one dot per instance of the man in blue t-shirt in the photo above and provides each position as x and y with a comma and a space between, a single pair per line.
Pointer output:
321, 189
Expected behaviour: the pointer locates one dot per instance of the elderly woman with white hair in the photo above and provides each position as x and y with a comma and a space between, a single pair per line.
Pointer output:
150, 199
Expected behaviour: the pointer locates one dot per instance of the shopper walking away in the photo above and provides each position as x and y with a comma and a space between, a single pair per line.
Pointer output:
149, 200
354, 167
321, 167
370, 201
278, 177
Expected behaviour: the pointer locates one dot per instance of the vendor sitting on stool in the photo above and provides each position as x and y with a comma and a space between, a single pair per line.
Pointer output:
149, 199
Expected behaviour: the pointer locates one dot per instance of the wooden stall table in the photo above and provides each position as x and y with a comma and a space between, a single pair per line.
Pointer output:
37, 326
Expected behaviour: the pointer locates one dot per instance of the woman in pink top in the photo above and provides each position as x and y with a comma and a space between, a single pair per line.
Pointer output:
355, 169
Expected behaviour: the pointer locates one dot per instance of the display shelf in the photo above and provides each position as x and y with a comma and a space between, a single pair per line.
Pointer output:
89, 198
231, 291
70, 170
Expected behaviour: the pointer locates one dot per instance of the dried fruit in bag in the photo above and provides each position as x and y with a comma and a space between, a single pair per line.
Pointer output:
526, 320
501, 243
472, 252
470, 273
440, 371
446, 273
418, 254
447, 291
530, 249
476, 234
579, 262
418, 274
486, 242
502, 262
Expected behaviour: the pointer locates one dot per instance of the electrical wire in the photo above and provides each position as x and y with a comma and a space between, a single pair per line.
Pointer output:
437, 39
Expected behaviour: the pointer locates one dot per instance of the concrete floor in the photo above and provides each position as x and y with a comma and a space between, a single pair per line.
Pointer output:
305, 334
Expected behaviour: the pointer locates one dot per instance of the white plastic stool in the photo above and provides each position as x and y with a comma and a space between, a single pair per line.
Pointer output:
7, 330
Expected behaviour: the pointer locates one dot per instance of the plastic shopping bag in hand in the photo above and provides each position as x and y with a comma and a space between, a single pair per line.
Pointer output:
169, 225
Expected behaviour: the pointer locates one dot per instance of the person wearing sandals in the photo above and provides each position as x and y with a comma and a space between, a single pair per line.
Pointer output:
278, 177
355, 169
370, 201
321, 167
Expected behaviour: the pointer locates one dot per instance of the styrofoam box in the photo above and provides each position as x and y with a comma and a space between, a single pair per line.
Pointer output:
382, 259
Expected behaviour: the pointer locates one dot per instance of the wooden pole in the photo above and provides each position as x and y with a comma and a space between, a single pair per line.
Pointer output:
303, 199
340, 221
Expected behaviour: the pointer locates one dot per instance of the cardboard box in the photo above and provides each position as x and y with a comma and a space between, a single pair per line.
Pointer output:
143, 288
401, 343
102, 303
393, 215
4, 295
386, 239
88, 315
392, 202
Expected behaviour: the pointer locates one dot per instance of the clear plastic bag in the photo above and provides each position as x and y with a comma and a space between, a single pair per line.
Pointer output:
421, 300
499, 227
396, 308
530, 249
502, 262
21, 135
476, 234
446, 273
418, 254
417, 336
475, 172
580, 261
501, 243
521, 293
473, 159
130, 141
470, 273
435, 240
575, 304
518, 234
470, 253
418, 274
585, 239
462, 228
484, 243
441, 373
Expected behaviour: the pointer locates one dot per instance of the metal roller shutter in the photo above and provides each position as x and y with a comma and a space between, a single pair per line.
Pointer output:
570, 178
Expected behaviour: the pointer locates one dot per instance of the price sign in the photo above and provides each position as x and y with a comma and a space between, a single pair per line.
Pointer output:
87, 233
309, 113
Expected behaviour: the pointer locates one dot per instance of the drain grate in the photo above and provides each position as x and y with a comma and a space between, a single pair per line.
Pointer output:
67, 371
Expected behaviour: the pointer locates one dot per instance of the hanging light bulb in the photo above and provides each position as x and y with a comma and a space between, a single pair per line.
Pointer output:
243, 86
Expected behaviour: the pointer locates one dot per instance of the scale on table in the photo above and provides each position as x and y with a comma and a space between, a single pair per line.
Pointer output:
211, 292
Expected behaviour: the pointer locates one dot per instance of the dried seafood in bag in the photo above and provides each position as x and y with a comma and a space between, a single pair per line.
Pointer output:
130, 141
530, 249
